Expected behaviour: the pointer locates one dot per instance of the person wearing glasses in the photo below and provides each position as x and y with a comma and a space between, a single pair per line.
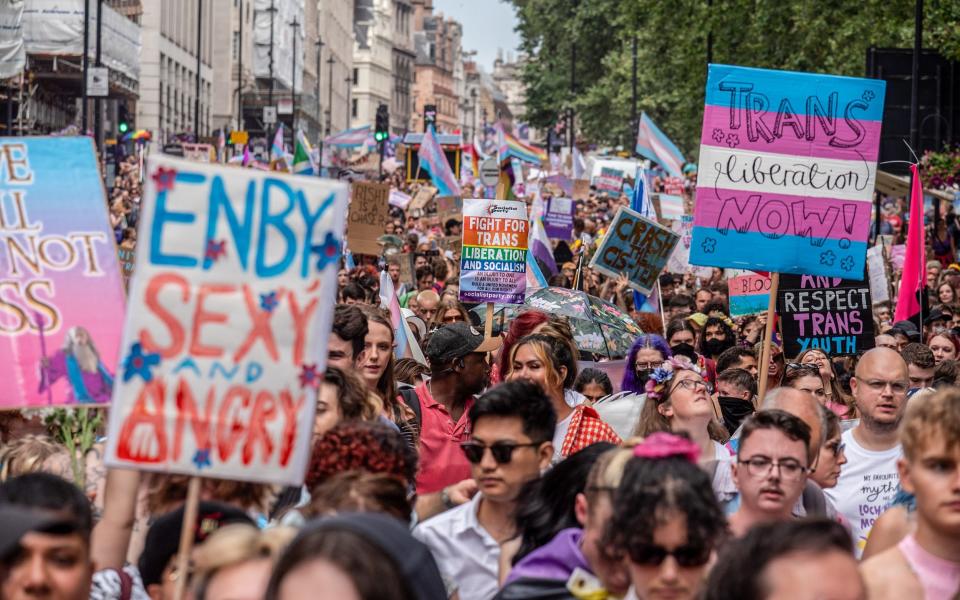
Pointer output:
771, 469
622, 410
832, 457
509, 445
668, 545
679, 399
869, 480
834, 398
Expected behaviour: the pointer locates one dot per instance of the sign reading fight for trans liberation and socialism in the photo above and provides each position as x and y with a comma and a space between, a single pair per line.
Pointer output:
749, 294
221, 365
61, 293
788, 164
636, 246
493, 259
558, 218
832, 314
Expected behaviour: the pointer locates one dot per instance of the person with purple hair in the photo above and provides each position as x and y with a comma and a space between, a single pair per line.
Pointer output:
622, 410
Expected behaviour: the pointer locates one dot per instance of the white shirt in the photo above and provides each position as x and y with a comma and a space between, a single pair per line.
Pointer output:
621, 412
463, 549
560, 434
866, 487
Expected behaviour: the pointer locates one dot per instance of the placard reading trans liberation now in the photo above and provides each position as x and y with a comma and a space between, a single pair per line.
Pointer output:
788, 164
493, 263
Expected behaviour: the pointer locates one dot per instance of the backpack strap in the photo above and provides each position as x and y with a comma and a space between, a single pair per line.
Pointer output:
411, 399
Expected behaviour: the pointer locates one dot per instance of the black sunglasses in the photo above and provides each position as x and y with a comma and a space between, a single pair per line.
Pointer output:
653, 555
802, 367
502, 451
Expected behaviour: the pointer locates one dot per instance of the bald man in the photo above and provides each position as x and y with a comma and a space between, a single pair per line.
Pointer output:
869, 480
426, 306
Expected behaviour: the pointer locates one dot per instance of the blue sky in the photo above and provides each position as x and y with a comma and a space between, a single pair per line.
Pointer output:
487, 25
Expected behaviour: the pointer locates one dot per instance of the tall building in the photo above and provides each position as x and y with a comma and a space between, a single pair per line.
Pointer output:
336, 58
232, 61
168, 68
404, 60
438, 43
372, 83
507, 74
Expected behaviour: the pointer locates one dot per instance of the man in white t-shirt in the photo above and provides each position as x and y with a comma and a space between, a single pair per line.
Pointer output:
869, 480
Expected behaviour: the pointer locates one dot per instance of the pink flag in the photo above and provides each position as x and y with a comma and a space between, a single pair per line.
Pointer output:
915, 263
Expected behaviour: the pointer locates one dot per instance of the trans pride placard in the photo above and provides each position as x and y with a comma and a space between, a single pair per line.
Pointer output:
61, 295
493, 260
787, 171
234, 286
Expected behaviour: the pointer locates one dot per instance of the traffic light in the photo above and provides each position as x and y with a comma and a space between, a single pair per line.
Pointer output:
382, 130
123, 118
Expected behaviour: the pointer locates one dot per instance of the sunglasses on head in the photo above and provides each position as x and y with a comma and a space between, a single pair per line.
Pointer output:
653, 555
502, 451
802, 367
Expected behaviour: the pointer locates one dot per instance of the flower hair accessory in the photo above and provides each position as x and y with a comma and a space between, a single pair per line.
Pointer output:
661, 377
665, 445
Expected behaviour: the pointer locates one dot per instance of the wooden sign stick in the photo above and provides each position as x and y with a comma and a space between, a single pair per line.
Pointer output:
765, 350
190, 510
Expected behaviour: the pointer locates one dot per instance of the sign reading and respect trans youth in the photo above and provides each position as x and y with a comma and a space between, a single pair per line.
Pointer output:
832, 314
493, 262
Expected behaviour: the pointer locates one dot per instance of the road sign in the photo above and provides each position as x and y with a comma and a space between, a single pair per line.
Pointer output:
239, 137
98, 79
269, 115
285, 106
489, 172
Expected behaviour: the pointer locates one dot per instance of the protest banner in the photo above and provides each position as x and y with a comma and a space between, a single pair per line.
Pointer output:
61, 291
787, 171
581, 189
877, 272
399, 199
679, 261
559, 185
367, 216
558, 218
235, 280
493, 263
609, 180
829, 313
673, 186
749, 294
422, 198
449, 207
636, 246
670, 208
125, 258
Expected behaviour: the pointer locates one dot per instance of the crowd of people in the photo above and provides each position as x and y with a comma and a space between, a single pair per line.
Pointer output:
500, 467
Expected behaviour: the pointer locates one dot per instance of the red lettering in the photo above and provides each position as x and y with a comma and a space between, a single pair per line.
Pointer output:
301, 326
202, 316
260, 328
264, 410
143, 436
291, 410
187, 412
152, 300
229, 427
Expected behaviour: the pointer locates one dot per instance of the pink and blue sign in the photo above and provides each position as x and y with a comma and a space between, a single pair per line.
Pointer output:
788, 164
61, 293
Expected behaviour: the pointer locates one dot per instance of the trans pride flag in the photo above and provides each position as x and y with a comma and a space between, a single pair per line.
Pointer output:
787, 171
434, 161
656, 146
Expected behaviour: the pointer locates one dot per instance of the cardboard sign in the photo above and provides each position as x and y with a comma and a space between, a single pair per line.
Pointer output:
581, 189
222, 361
787, 171
449, 207
832, 314
877, 271
669, 207
636, 246
749, 294
367, 216
61, 294
422, 198
558, 218
609, 180
453, 243
679, 261
493, 263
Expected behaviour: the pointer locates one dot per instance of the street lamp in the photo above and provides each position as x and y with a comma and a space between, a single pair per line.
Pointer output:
349, 81
473, 109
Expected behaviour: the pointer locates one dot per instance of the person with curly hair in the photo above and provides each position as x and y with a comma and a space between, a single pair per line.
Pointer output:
668, 545
370, 447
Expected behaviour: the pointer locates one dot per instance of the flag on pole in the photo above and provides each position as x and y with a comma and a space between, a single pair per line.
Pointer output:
654, 145
403, 346
510, 147
301, 156
914, 278
277, 152
434, 161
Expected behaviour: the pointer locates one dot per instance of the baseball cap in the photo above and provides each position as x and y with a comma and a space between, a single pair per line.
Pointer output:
906, 328
16, 521
163, 537
458, 340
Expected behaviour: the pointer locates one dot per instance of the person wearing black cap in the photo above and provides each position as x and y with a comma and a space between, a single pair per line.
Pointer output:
459, 358
359, 555
45, 528
904, 332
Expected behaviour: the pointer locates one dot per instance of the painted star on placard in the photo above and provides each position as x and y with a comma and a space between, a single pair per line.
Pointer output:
139, 363
201, 458
718, 135
847, 263
709, 245
327, 252
164, 178
269, 301
733, 140
828, 258
309, 377
868, 95
215, 250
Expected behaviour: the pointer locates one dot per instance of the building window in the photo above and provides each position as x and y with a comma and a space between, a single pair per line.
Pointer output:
236, 44
356, 77
353, 108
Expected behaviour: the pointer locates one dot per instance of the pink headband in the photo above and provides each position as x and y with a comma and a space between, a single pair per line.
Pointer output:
665, 445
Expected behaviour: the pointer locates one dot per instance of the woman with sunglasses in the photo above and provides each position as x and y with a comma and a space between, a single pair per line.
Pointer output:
667, 545
833, 397
449, 311
548, 360
678, 399
622, 410
832, 457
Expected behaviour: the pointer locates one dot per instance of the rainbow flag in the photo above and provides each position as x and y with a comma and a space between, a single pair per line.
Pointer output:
654, 145
434, 161
511, 147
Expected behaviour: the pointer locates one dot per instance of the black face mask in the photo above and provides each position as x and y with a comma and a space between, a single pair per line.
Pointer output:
684, 350
734, 411
713, 348
643, 375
